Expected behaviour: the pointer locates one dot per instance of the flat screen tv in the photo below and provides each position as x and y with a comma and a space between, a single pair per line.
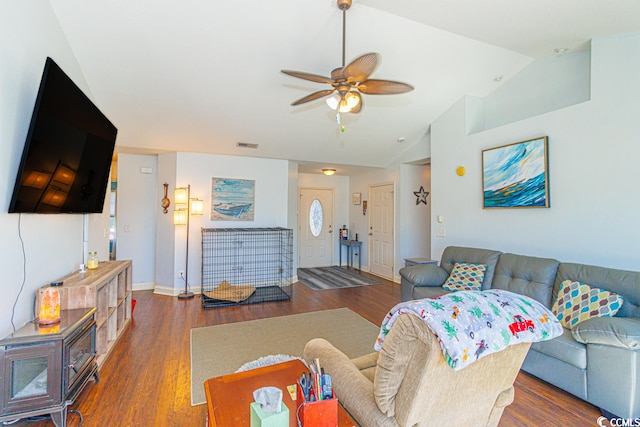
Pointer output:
67, 155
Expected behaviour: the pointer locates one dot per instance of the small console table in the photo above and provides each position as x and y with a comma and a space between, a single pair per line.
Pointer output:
352, 246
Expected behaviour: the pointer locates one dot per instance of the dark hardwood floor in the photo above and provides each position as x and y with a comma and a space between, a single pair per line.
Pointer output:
145, 382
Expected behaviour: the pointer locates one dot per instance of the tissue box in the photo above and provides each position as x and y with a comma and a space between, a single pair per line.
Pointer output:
259, 418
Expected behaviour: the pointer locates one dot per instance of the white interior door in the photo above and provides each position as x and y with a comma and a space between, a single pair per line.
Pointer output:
315, 223
381, 246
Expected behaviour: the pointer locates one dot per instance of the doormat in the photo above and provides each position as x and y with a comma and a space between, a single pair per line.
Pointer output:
333, 277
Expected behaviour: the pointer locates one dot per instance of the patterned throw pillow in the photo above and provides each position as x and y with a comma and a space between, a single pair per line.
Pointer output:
578, 302
465, 277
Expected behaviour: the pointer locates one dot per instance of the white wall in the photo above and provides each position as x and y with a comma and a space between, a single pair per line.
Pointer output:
545, 85
292, 214
98, 230
137, 208
163, 255
341, 202
415, 219
29, 32
593, 152
272, 179
412, 226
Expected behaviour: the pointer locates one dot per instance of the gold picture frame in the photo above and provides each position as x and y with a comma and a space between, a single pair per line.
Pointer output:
516, 175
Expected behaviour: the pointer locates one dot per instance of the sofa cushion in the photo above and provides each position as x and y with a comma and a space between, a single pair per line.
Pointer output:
428, 292
526, 275
424, 275
617, 332
622, 282
577, 302
453, 254
465, 277
564, 348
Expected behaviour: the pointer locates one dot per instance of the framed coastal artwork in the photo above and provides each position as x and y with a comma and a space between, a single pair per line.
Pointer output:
516, 175
232, 199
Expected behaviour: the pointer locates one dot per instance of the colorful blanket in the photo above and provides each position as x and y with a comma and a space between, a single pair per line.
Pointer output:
472, 324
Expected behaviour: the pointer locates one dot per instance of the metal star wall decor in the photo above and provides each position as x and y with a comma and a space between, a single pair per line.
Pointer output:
421, 196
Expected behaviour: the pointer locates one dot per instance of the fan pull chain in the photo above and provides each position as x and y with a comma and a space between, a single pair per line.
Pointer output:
339, 122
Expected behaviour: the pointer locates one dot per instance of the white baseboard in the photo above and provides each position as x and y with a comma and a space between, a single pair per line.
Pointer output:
143, 286
165, 290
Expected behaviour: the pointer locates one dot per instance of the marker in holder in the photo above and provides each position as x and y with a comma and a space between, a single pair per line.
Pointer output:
317, 413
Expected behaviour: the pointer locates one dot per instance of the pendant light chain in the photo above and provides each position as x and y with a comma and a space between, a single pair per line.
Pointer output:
344, 37
344, 32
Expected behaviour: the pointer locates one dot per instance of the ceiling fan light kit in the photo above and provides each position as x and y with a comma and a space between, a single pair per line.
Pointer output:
344, 104
351, 80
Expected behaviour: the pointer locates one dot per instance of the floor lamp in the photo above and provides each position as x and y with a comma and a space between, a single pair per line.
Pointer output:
185, 207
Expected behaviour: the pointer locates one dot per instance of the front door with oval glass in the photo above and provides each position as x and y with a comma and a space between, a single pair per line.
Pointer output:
315, 223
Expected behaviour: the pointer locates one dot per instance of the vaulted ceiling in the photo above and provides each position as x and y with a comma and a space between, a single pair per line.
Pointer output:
202, 75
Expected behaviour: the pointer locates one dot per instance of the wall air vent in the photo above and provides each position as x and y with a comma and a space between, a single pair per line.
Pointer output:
246, 145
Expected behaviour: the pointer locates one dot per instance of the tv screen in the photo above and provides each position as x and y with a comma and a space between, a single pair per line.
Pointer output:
67, 154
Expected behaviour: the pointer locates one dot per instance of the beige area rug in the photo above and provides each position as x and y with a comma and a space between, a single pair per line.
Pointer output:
222, 349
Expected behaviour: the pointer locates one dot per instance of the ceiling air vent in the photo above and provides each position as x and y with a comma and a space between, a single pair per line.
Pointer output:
246, 145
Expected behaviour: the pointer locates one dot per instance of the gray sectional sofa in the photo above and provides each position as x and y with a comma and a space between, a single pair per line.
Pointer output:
598, 360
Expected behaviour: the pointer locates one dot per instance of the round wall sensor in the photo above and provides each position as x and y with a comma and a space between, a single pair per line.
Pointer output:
461, 170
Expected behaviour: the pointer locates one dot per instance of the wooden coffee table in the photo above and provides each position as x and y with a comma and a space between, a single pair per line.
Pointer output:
229, 396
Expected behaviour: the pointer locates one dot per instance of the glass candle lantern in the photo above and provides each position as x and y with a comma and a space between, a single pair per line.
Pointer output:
92, 262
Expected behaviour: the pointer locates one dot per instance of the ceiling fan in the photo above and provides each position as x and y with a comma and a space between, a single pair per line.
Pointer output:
350, 81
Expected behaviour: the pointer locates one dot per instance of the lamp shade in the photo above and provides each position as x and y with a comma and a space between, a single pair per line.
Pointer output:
54, 197
350, 102
197, 207
64, 175
37, 180
181, 195
333, 101
328, 172
180, 217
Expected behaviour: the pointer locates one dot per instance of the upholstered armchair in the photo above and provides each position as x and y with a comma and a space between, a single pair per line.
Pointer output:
409, 383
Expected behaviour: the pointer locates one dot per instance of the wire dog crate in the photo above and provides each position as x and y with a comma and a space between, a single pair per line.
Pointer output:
246, 265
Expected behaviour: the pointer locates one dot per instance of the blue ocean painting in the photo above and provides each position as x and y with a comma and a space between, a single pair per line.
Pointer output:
232, 199
515, 175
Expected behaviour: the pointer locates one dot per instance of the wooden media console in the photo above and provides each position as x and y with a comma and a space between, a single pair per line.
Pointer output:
108, 290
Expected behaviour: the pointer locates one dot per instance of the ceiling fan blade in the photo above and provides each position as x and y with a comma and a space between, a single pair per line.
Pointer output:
313, 96
308, 76
383, 87
360, 68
